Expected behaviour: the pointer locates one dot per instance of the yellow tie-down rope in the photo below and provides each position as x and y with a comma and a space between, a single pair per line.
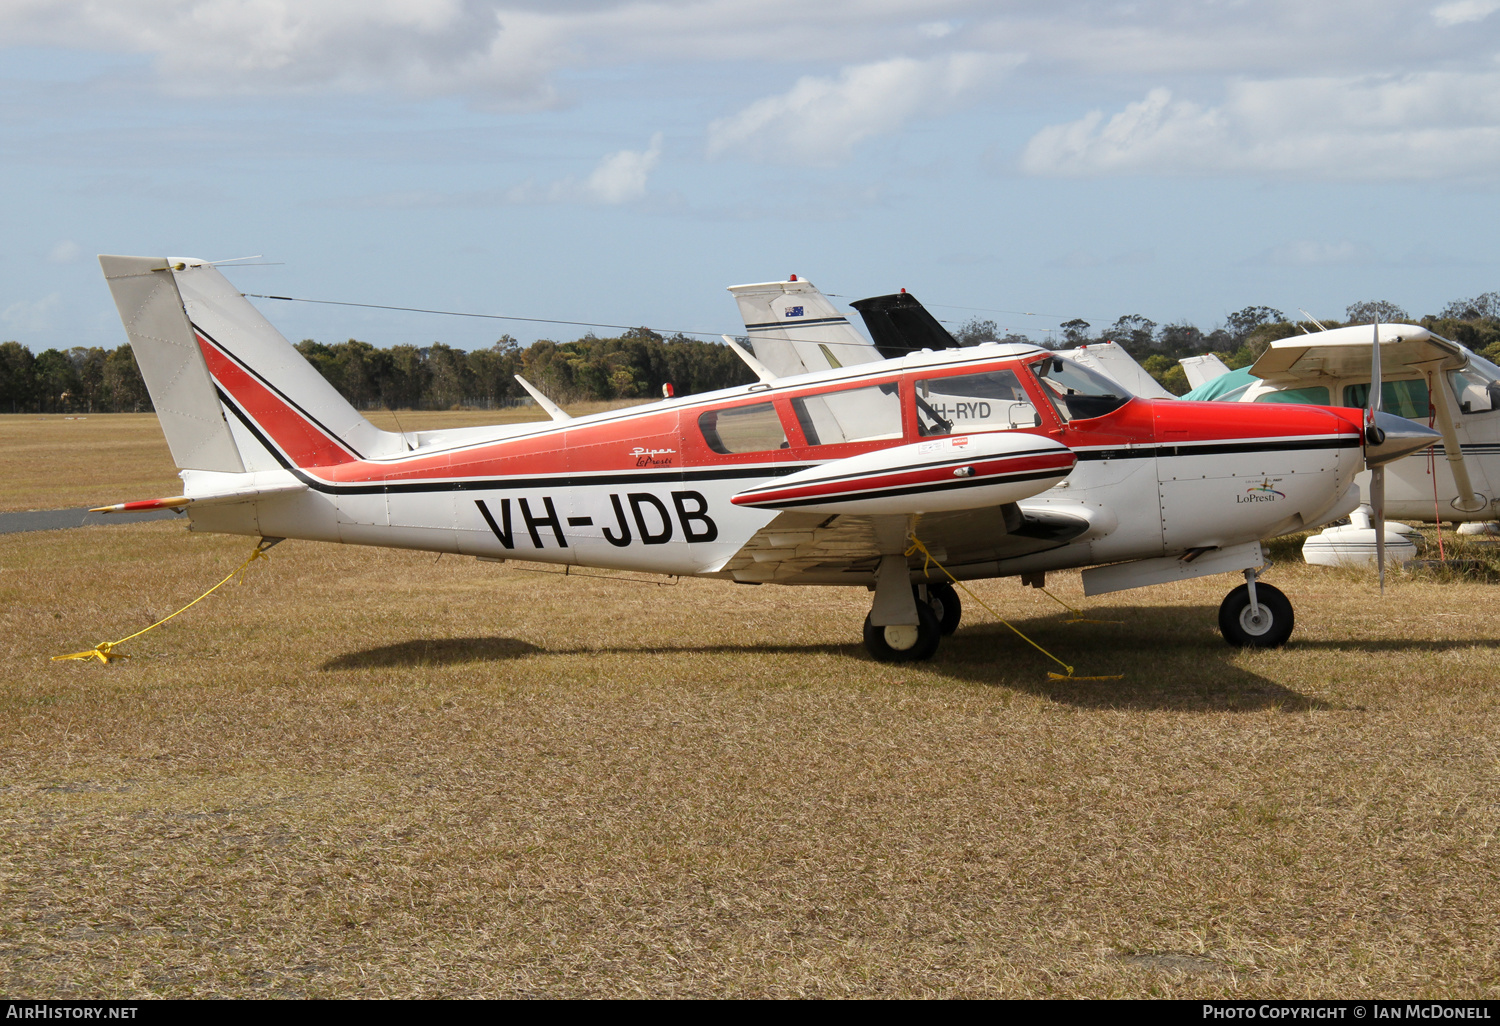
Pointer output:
1078, 616
917, 546
105, 650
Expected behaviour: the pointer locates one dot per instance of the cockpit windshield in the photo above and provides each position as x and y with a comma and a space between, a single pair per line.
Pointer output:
1077, 392
1477, 386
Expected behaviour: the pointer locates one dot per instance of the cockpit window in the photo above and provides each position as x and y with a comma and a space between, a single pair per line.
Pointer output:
850, 415
1312, 395
1077, 392
990, 401
1477, 386
754, 428
1403, 398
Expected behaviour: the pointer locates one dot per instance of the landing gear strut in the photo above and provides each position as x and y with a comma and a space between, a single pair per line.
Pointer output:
944, 603
904, 643
937, 614
1256, 615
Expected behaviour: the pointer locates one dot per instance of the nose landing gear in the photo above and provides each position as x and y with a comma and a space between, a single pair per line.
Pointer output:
1256, 615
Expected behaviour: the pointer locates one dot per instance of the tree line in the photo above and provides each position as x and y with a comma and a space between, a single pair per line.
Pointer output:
1245, 334
636, 364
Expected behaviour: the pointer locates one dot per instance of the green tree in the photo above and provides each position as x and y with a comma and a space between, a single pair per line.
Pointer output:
1134, 332
1179, 340
1371, 310
448, 382
1076, 331
1483, 307
57, 381
1242, 323
88, 363
124, 387
18, 384
405, 383
974, 331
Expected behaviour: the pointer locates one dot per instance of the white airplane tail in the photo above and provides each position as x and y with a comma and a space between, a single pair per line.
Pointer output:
1200, 370
794, 329
231, 393
1111, 359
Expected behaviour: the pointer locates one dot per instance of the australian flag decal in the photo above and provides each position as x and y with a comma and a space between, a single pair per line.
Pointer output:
794, 311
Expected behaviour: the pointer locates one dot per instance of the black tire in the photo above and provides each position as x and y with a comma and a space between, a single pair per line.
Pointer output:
943, 599
882, 642
1273, 628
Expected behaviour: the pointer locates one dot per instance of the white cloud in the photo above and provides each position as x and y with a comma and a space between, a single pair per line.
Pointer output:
1314, 253
1140, 136
29, 315
509, 52
1420, 126
621, 176
1460, 12
821, 120
63, 252
493, 51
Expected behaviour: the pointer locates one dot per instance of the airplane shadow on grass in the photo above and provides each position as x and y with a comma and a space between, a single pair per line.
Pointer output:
1167, 658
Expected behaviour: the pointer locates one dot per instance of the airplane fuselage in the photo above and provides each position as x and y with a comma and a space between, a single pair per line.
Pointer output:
650, 488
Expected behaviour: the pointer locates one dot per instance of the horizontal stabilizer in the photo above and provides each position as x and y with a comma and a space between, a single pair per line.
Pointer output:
243, 494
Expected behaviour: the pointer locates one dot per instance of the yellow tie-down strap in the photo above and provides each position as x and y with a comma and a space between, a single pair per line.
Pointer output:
917, 546
105, 650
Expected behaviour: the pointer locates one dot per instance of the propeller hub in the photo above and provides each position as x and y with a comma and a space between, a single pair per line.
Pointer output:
1390, 437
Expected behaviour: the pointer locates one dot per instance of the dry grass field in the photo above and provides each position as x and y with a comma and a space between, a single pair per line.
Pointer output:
378, 773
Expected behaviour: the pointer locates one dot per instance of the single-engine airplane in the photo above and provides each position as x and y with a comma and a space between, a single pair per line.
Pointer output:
1006, 460
1425, 378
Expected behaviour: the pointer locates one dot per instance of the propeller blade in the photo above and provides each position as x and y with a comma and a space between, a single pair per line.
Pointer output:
1377, 503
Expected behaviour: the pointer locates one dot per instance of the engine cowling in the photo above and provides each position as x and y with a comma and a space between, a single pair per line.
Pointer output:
936, 475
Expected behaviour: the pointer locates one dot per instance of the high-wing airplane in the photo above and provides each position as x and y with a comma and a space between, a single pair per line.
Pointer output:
1005, 460
1425, 378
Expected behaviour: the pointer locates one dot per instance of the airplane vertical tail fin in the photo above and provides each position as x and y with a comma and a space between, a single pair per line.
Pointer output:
231, 393
794, 329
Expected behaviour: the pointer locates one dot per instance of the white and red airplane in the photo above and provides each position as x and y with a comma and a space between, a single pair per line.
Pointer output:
1005, 460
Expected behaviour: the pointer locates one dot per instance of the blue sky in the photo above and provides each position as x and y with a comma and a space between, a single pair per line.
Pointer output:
592, 160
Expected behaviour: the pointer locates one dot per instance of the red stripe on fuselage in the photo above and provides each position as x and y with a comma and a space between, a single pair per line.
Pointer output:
305, 444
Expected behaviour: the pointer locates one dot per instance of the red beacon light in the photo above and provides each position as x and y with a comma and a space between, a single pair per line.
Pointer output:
791, 277
667, 391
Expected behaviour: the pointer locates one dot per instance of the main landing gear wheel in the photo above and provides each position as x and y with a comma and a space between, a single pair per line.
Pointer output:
1267, 627
904, 643
945, 605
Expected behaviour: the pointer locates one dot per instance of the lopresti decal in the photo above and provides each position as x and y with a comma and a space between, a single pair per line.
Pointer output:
1262, 492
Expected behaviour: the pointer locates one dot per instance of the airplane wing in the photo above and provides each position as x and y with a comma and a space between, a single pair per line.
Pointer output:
1345, 353
832, 517
1404, 348
817, 548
